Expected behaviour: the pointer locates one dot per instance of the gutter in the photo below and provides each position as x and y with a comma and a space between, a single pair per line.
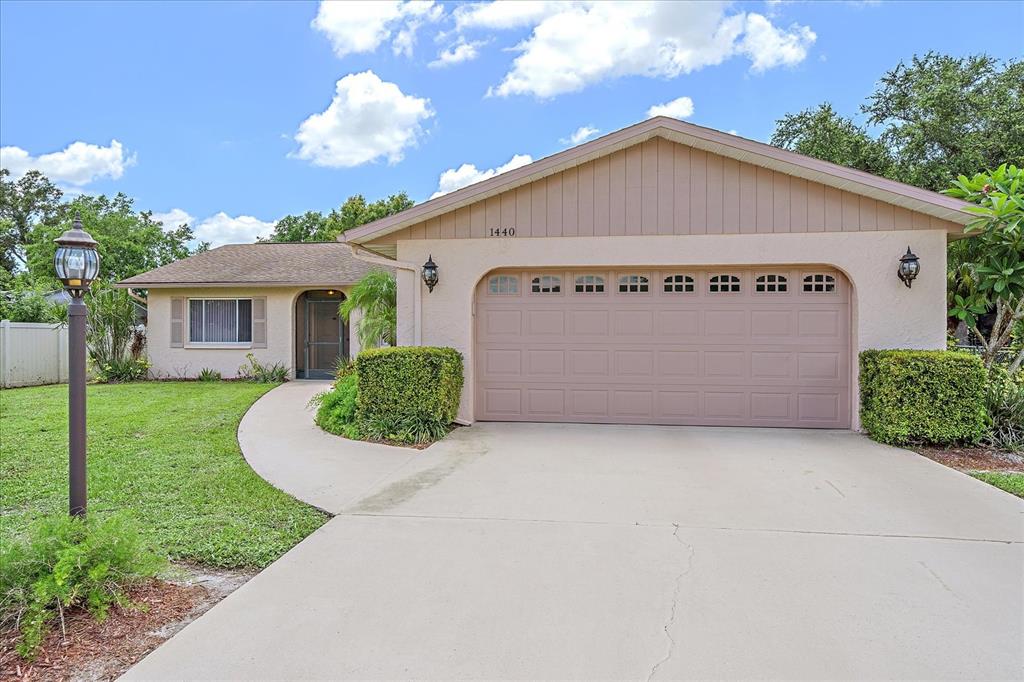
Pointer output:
369, 257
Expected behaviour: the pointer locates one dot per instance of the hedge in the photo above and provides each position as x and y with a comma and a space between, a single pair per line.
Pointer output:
409, 393
922, 396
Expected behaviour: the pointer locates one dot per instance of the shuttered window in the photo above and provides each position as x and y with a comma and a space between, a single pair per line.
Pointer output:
220, 320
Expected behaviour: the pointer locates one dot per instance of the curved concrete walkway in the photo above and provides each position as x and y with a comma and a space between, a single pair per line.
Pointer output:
282, 444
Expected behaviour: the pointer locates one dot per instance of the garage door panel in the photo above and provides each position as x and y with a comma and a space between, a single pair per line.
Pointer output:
698, 357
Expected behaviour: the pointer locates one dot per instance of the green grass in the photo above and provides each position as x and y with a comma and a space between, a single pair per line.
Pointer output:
1012, 483
165, 452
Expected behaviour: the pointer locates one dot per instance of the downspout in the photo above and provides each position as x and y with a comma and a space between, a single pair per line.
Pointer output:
417, 298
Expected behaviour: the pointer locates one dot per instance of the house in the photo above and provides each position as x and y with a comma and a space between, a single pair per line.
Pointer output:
670, 274
277, 301
662, 274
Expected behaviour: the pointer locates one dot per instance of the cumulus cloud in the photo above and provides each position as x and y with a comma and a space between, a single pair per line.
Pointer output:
468, 174
174, 218
456, 54
368, 119
681, 107
581, 135
574, 45
220, 229
361, 25
77, 164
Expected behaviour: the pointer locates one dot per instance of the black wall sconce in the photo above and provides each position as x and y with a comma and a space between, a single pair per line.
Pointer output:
910, 266
430, 273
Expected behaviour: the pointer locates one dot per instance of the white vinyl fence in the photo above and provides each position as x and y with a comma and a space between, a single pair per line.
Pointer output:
33, 353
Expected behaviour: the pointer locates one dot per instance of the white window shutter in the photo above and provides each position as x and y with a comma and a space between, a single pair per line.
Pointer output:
259, 322
177, 322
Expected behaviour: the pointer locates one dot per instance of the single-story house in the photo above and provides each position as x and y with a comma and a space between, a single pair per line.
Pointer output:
278, 301
665, 273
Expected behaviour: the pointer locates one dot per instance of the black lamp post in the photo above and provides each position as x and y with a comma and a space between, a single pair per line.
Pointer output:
77, 265
430, 273
910, 265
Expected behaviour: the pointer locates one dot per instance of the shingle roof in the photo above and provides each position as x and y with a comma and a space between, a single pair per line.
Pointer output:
267, 264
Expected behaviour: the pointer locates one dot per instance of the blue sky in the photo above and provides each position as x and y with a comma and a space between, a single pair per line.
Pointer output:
231, 115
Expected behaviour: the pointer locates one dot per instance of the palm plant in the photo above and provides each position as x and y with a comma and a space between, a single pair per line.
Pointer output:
376, 295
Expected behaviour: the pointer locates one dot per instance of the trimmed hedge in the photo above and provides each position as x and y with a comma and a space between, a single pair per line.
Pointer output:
408, 394
336, 409
922, 396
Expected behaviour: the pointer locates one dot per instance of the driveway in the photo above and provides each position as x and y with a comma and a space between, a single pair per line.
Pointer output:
572, 551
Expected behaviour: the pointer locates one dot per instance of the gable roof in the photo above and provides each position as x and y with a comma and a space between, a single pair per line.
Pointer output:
264, 263
707, 139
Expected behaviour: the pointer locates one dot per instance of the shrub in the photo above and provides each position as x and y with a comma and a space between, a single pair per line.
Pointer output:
28, 303
259, 373
922, 397
122, 370
336, 409
70, 562
1004, 403
408, 394
207, 374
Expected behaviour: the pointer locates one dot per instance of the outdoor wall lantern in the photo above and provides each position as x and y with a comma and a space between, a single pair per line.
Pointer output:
430, 273
910, 266
77, 265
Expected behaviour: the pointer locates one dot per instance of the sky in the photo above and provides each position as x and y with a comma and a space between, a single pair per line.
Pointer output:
231, 115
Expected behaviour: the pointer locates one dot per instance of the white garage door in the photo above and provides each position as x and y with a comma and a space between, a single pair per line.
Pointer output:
715, 346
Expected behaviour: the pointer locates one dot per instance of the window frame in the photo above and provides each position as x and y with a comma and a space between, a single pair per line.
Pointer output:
689, 283
643, 280
828, 280
510, 277
735, 279
600, 280
541, 276
781, 279
189, 343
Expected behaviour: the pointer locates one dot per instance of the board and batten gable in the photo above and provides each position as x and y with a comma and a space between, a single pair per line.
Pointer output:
660, 187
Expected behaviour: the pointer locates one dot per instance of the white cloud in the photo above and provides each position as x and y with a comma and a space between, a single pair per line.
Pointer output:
503, 15
468, 174
174, 218
361, 25
223, 229
574, 45
457, 53
681, 107
368, 119
78, 164
580, 135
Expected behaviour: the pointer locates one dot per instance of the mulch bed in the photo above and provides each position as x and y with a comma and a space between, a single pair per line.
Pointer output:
88, 650
974, 459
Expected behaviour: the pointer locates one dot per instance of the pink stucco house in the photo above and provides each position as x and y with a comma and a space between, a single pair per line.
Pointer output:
662, 274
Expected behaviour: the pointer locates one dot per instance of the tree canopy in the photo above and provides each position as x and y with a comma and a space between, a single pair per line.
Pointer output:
313, 226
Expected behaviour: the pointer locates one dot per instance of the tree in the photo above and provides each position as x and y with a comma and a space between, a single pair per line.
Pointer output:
938, 117
990, 274
376, 295
23, 203
313, 226
130, 242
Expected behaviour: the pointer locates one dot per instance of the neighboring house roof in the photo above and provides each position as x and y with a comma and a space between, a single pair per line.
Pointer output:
265, 264
714, 141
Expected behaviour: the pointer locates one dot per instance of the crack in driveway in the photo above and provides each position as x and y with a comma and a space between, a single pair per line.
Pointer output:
675, 603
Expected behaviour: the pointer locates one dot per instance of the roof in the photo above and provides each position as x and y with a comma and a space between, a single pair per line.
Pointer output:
263, 263
714, 141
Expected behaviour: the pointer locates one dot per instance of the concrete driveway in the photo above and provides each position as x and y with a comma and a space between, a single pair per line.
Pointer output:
625, 552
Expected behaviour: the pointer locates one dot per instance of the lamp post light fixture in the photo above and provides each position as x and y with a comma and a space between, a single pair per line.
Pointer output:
77, 265
910, 266
430, 273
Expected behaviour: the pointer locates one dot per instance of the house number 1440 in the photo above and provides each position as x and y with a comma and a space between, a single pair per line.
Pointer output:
502, 232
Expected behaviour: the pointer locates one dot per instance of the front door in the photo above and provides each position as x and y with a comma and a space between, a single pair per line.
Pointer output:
324, 339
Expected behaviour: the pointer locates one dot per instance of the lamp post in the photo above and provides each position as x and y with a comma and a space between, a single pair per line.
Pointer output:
77, 265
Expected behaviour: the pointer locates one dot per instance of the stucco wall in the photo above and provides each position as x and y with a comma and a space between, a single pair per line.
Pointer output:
885, 313
168, 362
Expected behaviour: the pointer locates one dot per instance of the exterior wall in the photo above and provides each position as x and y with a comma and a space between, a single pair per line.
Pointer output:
187, 362
885, 314
661, 187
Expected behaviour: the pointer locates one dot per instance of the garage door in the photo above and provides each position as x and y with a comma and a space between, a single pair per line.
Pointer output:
753, 347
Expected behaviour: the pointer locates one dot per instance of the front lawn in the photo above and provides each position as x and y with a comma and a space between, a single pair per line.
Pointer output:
164, 451
1012, 483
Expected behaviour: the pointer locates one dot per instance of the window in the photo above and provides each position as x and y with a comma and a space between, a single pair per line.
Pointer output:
589, 284
721, 284
503, 285
770, 284
819, 283
633, 284
546, 284
679, 284
220, 320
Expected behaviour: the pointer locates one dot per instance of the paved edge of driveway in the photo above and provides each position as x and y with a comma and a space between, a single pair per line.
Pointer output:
281, 443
